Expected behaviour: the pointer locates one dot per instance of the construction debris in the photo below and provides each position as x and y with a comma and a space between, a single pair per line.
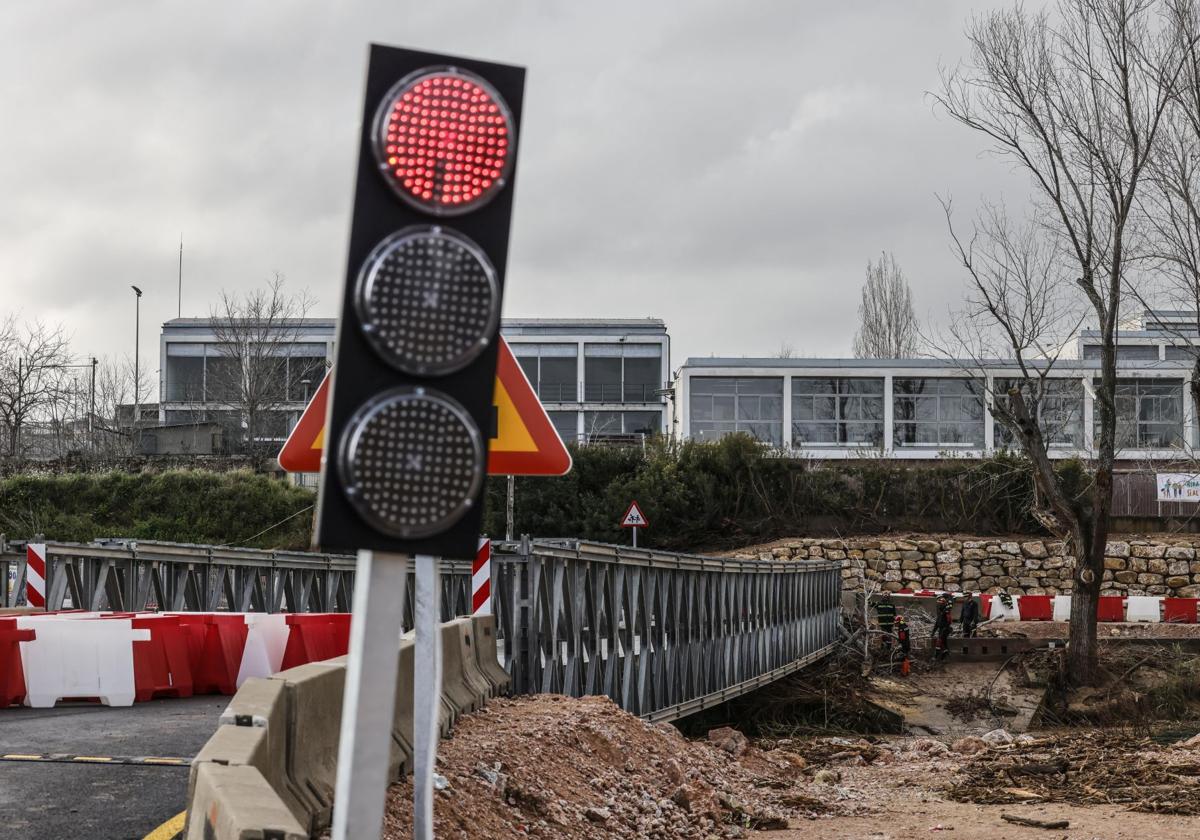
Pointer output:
1092, 768
1032, 823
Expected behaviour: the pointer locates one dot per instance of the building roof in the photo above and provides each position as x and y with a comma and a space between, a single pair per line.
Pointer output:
314, 323
965, 365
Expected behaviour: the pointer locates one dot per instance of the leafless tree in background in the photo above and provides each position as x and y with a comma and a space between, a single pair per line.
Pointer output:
887, 324
1171, 204
1076, 100
786, 351
255, 334
114, 392
32, 378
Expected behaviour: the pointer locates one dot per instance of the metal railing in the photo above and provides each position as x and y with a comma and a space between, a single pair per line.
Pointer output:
663, 634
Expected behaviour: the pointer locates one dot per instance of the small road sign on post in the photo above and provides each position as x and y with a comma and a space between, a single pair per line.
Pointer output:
634, 519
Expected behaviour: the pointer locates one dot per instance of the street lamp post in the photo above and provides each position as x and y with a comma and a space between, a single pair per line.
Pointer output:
137, 379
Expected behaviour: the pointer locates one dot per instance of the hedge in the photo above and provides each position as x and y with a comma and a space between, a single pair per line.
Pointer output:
192, 506
696, 496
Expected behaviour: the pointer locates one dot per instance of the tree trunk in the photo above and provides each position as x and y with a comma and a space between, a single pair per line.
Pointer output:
1082, 655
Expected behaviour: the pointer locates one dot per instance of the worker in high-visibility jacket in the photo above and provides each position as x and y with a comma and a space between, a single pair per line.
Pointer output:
943, 607
903, 645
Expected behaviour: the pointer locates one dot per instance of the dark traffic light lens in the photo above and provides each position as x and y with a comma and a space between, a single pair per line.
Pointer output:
411, 461
442, 138
428, 301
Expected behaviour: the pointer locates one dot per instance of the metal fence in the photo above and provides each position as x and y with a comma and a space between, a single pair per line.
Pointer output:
663, 634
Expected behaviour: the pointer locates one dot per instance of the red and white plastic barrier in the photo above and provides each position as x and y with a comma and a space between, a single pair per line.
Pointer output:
1111, 608
118, 658
35, 575
481, 579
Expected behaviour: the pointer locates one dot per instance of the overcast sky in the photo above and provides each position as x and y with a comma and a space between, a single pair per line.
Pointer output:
728, 167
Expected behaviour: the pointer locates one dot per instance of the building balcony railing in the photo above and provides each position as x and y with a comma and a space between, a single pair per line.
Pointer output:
627, 393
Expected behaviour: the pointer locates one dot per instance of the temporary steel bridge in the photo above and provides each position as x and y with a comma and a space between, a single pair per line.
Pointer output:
663, 634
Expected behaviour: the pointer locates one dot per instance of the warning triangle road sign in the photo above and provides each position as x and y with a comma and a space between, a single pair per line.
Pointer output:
634, 518
525, 442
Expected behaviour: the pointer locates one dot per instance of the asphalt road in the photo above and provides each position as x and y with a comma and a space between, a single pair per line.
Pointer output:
64, 801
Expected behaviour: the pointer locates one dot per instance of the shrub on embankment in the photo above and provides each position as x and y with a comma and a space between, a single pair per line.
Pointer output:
697, 496
733, 493
193, 506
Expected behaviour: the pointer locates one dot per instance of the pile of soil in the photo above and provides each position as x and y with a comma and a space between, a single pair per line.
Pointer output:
1094, 768
553, 766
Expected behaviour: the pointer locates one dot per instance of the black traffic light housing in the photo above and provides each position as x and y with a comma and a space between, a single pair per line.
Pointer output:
407, 430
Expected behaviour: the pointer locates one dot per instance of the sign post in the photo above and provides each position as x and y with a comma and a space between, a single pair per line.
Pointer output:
635, 520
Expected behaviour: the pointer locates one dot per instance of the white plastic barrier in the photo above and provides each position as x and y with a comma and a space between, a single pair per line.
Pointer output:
1000, 612
1143, 608
1062, 607
79, 658
266, 640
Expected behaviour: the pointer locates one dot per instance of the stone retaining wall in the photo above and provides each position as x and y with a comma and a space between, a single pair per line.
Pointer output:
1136, 566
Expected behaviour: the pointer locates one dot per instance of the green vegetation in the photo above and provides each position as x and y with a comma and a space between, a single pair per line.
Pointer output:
192, 506
733, 492
697, 496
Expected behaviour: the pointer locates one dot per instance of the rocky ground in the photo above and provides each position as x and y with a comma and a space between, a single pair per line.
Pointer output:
553, 767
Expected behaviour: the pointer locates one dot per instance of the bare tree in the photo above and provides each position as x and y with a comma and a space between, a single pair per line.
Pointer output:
786, 350
1171, 204
114, 404
887, 324
32, 356
255, 335
1076, 101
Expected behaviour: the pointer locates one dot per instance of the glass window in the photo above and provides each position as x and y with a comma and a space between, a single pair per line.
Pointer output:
222, 379
937, 412
304, 375
1060, 413
846, 412
642, 422
1127, 353
1149, 413
601, 423
565, 423
622, 373
185, 379
720, 406
552, 370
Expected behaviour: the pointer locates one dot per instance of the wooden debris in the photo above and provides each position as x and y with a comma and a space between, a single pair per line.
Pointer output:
1032, 823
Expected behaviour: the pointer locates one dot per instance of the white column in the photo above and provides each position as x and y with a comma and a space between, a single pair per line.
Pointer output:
787, 411
1089, 443
989, 424
888, 414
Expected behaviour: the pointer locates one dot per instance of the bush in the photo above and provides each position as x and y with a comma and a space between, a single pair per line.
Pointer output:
728, 493
192, 506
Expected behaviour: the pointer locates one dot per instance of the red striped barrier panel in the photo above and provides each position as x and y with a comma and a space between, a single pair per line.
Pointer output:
161, 667
1034, 608
1110, 608
12, 675
1180, 610
215, 642
35, 575
316, 636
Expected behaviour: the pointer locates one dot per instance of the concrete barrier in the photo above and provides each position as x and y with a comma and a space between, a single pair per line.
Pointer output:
237, 803
270, 769
314, 712
487, 655
464, 696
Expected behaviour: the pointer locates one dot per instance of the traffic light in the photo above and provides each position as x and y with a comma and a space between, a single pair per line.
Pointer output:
410, 412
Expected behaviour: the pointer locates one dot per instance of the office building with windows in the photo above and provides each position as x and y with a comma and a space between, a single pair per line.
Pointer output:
201, 371
933, 408
599, 379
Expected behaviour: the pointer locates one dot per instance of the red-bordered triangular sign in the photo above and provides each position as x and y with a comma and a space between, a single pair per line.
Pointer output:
525, 443
634, 518
302, 450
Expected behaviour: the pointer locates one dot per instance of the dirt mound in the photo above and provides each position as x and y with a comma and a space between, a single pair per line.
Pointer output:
552, 766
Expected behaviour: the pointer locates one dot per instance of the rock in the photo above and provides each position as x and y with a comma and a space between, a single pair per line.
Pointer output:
930, 746
1117, 564
1034, 549
1010, 548
1155, 551
729, 740
1117, 549
598, 815
997, 736
1025, 738
1192, 743
1179, 552
826, 776
673, 772
969, 745
797, 761
683, 797
1156, 565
